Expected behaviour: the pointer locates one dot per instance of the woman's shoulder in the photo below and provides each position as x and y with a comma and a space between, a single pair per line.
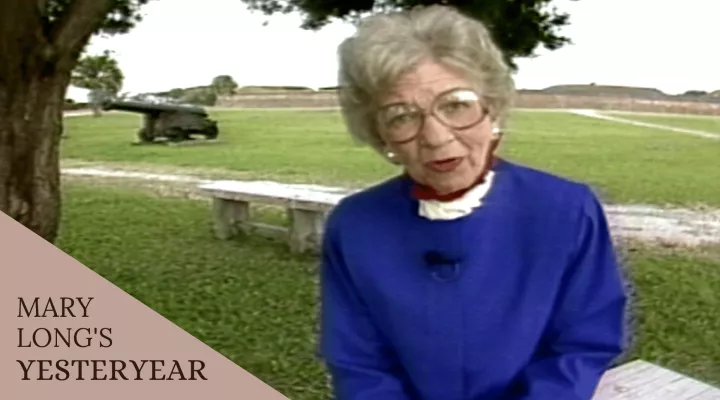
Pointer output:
543, 190
379, 197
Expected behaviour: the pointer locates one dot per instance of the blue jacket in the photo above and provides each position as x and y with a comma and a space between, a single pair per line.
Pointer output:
521, 300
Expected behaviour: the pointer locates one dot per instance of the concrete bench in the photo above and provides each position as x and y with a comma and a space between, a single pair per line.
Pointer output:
306, 208
641, 380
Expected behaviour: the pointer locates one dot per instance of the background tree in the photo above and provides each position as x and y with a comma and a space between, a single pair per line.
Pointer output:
224, 85
41, 42
695, 93
101, 75
518, 26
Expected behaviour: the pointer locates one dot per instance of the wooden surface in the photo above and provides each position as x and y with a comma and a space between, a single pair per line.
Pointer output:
641, 380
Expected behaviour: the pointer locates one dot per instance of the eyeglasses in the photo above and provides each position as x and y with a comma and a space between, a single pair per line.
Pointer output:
456, 109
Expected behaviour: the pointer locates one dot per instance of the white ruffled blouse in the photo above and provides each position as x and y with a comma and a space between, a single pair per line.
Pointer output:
458, 208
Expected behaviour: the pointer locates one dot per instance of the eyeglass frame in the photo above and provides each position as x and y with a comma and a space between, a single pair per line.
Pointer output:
426, 113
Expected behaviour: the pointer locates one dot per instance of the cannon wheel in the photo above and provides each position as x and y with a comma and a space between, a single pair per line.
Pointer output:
212, 132
144, 136
177, 135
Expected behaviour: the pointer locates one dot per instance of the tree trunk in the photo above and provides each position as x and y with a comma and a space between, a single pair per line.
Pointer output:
37, 56
31, 107
96, 110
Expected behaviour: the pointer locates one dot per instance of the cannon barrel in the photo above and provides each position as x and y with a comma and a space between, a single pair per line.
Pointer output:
151, 108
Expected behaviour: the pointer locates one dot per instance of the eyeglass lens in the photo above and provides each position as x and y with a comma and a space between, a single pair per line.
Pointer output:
456, 109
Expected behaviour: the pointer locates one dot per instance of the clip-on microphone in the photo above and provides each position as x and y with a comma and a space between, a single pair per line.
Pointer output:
443, 267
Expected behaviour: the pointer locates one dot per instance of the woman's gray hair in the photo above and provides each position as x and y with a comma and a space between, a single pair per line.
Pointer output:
387, 45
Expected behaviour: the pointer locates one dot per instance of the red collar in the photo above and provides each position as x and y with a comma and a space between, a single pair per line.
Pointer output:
423, 192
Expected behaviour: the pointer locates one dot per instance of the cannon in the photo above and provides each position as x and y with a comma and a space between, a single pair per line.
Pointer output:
173, 122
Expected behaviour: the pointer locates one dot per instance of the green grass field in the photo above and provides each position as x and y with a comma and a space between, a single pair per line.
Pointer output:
255, 303
702, 123
624, 163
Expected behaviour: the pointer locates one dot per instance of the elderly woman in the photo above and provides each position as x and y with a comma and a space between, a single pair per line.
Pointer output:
465, 277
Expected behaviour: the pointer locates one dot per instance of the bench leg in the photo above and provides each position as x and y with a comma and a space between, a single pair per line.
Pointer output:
229, 217
305, 230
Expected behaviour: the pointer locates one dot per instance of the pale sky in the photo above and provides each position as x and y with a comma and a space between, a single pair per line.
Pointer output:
667, 44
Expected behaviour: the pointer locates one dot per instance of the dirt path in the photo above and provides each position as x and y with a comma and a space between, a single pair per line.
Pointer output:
599, 115
638, 222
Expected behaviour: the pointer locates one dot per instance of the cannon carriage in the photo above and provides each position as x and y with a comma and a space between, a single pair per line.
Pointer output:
168, 122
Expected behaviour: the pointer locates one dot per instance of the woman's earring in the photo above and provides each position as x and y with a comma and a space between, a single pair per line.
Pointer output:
392, 157
497, 131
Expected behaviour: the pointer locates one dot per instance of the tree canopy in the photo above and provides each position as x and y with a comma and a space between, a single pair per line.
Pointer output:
119, 17
519, 27
62, 27
224, 85
100, 74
